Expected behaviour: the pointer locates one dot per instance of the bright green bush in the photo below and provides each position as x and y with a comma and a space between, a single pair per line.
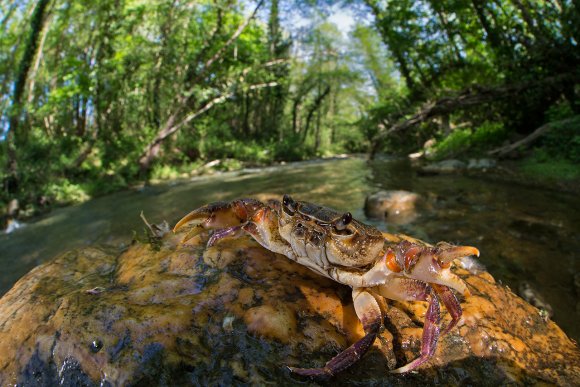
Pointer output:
163, 172
63, 191
457, 142
460, 141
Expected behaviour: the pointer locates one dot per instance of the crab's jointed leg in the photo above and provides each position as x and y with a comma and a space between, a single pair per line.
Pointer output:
227, 232
429, 337
369, 313
408, 289
451, 304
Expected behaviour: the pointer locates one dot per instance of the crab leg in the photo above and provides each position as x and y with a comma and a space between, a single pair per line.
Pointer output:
369, 313
429, 338
451, 304
223, 233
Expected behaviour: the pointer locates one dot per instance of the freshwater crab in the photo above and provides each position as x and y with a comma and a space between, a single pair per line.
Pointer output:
339, 247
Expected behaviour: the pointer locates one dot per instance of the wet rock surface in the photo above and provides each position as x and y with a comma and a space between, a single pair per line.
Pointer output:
236, 313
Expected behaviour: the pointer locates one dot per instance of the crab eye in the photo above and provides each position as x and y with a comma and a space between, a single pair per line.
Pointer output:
288, 205
340, 224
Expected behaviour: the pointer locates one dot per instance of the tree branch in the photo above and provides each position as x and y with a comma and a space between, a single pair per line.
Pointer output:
232, 39
528, 140
470, 97
152, 149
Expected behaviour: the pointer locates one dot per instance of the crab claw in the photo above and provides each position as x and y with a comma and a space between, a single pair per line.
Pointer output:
432, 264
218, 215
447, 253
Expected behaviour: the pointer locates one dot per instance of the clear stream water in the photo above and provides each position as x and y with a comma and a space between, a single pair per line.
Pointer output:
524, 234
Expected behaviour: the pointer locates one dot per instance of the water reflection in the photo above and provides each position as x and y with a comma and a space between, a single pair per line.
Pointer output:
523, 233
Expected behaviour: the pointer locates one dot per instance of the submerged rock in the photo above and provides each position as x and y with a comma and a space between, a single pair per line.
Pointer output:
444, 167
398, 207
235, 313
482, 164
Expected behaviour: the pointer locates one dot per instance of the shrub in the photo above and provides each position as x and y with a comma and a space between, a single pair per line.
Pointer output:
485, 136
64, 192
563, 141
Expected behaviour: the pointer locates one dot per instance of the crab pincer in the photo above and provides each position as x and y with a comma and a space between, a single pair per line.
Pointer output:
226, 217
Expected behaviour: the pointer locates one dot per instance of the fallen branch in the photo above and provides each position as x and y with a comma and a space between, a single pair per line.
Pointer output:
527, 141
467, 98
152, 149
446, 105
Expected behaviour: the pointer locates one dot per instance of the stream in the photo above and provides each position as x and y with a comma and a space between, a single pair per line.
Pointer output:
524, 234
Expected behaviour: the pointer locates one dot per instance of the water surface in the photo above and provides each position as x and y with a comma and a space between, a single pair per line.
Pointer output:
524, 234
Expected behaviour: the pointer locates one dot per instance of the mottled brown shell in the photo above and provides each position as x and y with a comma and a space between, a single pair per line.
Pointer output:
328, 237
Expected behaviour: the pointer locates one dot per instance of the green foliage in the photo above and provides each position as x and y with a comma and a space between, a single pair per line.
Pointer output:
133, 90
556, 155
462, 141
63, 191
543, 165
562, 143
290, 149
488, 134
215, 148
526, 51
166, 171
456, 143
229, 165
559, 111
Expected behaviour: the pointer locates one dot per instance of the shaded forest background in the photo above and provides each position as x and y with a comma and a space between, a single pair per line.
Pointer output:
98, 95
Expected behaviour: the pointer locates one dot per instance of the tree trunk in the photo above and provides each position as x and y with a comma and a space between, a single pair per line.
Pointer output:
32, 76
492, 36
187, 102
14, 137
447, 28
315, 106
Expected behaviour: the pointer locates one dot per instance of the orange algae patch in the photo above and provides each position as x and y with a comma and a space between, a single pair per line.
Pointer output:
273, 323
246, 296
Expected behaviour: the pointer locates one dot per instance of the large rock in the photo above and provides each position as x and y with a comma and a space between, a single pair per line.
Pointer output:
398, 207
236, 313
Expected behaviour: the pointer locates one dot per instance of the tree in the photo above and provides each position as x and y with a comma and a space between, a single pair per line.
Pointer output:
11, 184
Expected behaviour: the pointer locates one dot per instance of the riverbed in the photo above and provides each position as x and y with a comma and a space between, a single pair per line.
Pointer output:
523, 233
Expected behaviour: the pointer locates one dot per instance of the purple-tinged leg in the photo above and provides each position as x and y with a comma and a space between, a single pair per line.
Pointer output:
429, 338
223, 233
369, 312
451, 304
